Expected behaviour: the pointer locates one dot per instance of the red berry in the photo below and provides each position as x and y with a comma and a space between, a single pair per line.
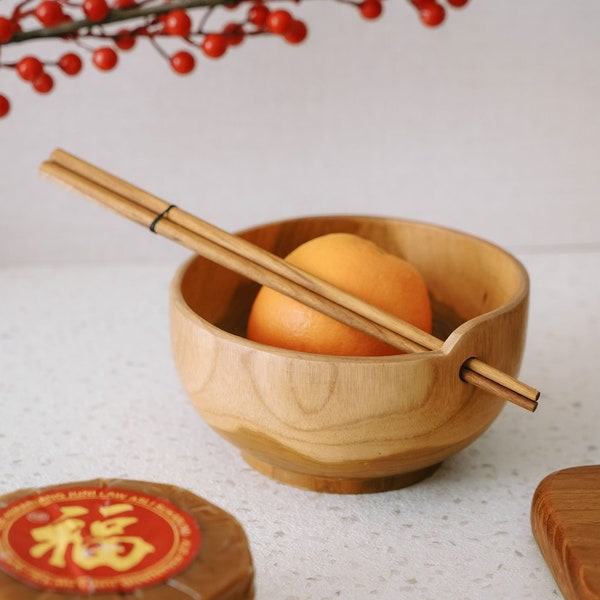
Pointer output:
29, 67
125, 40
178, 22
234, 34
49, 13
70, 63
95, 10
183, 62
43, 83
120, 4
279, 21
257, 15
296, 33
4, 106
214, 45
370, 9
432, 14
7, 29
105, 58
457, 3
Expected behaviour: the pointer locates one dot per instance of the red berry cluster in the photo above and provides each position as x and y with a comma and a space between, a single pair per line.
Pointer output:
94, 26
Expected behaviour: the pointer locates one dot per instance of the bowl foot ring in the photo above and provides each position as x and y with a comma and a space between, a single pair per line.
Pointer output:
340, 485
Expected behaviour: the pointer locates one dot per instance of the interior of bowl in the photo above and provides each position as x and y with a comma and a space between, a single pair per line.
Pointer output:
466, 276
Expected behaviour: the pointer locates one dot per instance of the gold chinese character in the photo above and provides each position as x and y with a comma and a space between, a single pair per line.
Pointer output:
106, 546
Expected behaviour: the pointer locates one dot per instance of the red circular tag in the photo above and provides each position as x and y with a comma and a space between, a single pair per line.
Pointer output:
95, 540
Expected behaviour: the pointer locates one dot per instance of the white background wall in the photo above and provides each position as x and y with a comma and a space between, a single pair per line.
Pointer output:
490, 124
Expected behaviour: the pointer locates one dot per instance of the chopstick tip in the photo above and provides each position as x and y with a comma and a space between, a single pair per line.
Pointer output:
45, 167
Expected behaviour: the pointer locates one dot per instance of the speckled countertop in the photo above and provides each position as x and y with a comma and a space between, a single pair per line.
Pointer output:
88, 389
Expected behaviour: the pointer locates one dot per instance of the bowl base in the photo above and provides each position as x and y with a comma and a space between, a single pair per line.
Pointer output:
340, 485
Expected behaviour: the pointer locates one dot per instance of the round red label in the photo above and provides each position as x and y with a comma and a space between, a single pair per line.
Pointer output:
95, 540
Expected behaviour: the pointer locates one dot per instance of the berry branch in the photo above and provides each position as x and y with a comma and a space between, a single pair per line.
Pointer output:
104, 31
114, 15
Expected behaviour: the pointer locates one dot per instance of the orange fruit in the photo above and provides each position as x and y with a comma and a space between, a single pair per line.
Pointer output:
357, 266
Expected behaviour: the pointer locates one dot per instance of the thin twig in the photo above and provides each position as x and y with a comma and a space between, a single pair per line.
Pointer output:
114, 16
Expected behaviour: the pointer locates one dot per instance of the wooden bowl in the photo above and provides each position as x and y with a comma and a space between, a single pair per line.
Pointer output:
351, 424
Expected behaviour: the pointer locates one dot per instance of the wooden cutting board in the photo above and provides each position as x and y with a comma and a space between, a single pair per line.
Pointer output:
565, 519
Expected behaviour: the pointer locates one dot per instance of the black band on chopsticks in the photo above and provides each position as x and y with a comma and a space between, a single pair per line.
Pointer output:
164, 213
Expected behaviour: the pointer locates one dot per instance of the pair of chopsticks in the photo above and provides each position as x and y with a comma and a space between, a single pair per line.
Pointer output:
267, 269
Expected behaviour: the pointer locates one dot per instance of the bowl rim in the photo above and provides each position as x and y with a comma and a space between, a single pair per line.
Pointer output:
451, 340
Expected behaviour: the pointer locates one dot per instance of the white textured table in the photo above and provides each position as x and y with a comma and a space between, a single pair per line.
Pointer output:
87, 389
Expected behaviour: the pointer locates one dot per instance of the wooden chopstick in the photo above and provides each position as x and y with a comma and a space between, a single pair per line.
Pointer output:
244, 257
